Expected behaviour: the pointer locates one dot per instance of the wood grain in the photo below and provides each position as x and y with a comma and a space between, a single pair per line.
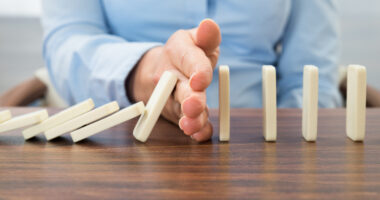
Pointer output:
112, 165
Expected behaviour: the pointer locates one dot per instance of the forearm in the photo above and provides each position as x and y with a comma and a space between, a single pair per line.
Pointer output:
88, 63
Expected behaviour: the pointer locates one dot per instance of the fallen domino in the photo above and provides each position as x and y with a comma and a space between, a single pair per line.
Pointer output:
82, 120
108, 122
310, 103
224, 103
5, 115
59, 118
356, 102
155, 106
269, 103
24, 120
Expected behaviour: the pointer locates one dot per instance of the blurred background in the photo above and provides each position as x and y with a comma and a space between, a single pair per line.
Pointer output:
21, 39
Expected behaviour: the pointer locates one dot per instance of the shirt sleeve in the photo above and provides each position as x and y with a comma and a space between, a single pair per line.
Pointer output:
310, 38
83, 59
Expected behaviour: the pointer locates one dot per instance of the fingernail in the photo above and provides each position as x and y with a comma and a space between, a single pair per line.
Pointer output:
191, 80
180, 124
192, 75
192, 136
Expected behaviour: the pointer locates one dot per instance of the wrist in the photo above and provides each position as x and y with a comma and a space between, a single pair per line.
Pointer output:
139, 80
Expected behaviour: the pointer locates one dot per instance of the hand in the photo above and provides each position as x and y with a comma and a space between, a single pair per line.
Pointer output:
192, 55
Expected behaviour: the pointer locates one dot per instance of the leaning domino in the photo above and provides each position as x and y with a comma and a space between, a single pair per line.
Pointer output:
59, 118
82, 120
108, 122
224, 103
5, 115
154, 106
356, 102
269, 103
310, 103
24, 120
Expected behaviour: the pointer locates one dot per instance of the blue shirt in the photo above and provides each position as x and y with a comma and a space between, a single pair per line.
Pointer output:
90, 46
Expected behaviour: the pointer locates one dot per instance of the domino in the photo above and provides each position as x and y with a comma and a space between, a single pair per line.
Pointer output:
82, 120
24, 120
269, 103
108, 122
310, 103
5, 115
59, 118
224, 103
155, 106
356, 102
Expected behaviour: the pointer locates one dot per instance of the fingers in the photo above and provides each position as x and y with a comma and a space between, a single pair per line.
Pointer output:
198, 127
195, 53
172, 111
204, 134
192, 55
185, 101
190, 60
207, 36
193, 103
193, 125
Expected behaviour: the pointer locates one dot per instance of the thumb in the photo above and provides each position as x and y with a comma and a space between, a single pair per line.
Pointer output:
207, 36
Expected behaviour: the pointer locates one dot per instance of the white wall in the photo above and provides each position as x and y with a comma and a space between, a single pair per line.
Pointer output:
18, 8
360, 22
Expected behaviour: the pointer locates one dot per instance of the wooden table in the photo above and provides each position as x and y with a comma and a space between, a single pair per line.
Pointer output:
112, 165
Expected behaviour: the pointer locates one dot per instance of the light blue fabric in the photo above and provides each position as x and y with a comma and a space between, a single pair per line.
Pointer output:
90, 46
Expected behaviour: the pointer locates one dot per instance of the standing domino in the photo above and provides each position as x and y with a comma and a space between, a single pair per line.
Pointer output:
59, 118
24, 120
269, 103
108, 122
5, 115
356, 102
82, 120
224, 103
310, 103
154, 106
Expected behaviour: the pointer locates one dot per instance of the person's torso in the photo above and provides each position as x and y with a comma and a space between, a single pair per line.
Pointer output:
250, 30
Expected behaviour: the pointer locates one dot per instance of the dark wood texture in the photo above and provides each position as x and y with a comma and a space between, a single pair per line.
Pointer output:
112, 165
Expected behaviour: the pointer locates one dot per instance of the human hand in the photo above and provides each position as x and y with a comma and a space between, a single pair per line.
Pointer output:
191, 55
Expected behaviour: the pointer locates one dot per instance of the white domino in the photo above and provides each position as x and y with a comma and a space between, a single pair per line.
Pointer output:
59, 118
154, 106
5, 115
108, 122
82, 120
224, 103
269, 103
310, 103
356, 102
24, 120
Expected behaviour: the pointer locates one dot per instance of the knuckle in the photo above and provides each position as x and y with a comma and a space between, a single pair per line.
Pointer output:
180, 32
177, 35
170, 49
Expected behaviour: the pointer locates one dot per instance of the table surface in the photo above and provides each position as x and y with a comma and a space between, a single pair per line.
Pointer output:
170, 165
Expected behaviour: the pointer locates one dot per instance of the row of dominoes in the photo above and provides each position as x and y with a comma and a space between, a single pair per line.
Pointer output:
355, 111
83, 121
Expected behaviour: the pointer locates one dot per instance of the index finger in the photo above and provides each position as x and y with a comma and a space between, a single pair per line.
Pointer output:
190, 60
